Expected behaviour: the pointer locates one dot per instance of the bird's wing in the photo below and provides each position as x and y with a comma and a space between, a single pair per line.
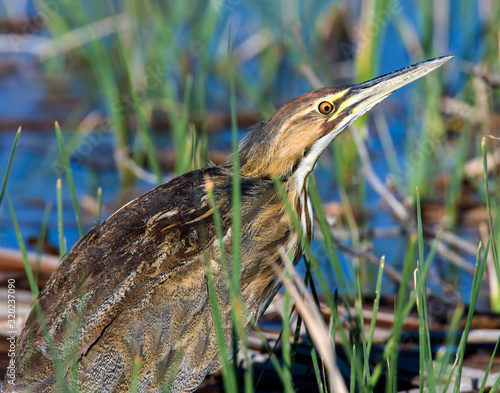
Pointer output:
122, 261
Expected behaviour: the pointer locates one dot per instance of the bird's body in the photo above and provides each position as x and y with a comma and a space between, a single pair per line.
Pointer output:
130, 302
146, 291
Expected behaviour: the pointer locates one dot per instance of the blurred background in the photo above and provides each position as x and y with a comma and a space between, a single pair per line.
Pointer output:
141, 91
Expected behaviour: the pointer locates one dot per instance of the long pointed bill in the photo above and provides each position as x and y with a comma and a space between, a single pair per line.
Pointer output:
365, 95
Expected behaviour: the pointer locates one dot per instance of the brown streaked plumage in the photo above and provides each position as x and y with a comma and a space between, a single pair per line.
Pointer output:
134, 288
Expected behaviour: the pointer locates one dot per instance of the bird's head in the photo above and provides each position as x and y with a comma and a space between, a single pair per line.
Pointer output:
291, 141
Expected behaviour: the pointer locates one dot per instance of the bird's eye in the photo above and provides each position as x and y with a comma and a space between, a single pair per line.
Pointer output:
325, 107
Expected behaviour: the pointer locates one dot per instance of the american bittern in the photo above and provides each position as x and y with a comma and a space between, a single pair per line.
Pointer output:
134, 289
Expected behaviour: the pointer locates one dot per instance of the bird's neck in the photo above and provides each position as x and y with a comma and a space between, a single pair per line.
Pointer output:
266, 154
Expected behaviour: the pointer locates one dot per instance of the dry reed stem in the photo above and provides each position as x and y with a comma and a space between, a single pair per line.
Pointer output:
314, 321
80, 36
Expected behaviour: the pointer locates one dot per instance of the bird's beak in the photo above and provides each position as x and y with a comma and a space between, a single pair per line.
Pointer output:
363, 96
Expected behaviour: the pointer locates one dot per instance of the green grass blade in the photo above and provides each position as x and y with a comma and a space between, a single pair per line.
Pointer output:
401, 312
60, 220
376, 304
272, 355
352, 385
421, 333
239, 324
387, 143
317, 369
181, 128
488, 369
228, 373
319, 215
236, 186
99, 205
296, 336
34, 291
229, 370
426, 366
97, 54
443, 360
495, 301
136, 370
9, 164
143, 125
420, 230
496, 386
285, 341
175, 366
69, 177
41, 237
22, 247
476, 286
359, 307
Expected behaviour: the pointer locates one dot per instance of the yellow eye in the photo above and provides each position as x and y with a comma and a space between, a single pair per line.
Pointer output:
325, 107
